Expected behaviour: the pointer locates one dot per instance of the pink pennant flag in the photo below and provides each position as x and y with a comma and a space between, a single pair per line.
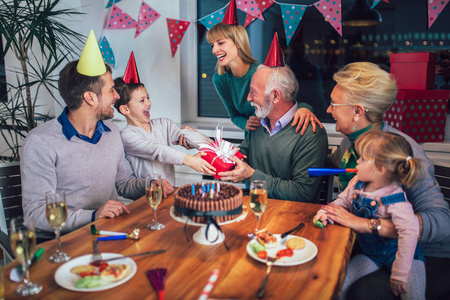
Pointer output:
120, 19
331, 10
434, 9
147, 16
177, 29
250, 8
375, 2
263, 6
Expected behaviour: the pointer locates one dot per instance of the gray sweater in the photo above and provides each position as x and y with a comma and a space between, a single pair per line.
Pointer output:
90, 174
151, 152
425, 196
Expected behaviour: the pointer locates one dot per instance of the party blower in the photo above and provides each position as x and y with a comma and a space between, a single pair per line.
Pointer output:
315, 172
112, 235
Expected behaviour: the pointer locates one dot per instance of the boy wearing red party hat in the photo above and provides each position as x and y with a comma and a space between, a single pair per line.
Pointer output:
148, 141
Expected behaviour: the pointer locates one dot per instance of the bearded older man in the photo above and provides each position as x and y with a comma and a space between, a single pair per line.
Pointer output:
275, 152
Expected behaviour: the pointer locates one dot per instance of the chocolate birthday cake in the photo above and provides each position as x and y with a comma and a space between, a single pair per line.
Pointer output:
223, 206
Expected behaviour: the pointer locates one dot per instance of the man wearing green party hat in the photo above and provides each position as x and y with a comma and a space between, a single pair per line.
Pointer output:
79, 152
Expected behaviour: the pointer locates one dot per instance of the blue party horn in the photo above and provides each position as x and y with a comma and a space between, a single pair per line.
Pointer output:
314, 172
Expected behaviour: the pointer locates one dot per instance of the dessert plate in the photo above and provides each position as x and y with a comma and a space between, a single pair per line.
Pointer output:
300, 256
183, 219
67, 279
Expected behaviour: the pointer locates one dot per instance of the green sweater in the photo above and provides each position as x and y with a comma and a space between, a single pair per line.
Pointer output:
282, 160
233, 92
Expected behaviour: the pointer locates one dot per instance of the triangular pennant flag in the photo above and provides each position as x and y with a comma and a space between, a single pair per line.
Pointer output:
331, 10
147, 16
177, 29
263, 6
250, 8
107, 52
375, 2
230, 17
120, 19
434, 10
131, 73
292, 15
111, 2
91, 60
275, 57
212, 19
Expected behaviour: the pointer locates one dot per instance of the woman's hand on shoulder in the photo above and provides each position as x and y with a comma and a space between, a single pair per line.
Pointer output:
253, 123
302, 118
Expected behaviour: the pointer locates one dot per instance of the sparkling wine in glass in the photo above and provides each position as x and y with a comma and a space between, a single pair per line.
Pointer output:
258, 201
154, 194
56, 214
23, 244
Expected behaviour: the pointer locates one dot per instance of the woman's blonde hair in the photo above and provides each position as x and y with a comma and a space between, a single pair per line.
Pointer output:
238, 35
368, 85
391, 151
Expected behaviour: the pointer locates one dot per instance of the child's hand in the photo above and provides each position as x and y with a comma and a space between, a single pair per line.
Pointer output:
398, 287
167, 188
322, 216
197, 163
182, 141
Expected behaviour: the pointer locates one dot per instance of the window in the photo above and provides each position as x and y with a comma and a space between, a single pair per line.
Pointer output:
317, 51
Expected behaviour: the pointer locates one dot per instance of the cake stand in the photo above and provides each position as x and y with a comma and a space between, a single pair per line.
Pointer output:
200, 236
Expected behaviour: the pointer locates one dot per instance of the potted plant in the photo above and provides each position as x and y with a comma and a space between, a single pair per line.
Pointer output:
35, 32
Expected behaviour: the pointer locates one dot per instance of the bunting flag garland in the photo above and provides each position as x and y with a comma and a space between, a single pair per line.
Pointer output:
434, 9
292, 15
177, 29
263, 6
147, 16
107, 52
250, 8
331, 10
111, 2
375, 2
212, 19
119, 19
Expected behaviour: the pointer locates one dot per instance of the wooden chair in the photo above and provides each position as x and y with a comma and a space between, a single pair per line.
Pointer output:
10, 204
442, 175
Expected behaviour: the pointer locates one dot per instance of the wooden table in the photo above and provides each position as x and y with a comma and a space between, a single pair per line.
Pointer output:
189, 265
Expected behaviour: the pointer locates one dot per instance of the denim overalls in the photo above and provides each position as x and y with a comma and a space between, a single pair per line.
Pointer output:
379, 249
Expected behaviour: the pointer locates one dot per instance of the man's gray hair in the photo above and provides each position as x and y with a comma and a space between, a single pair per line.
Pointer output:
282, 79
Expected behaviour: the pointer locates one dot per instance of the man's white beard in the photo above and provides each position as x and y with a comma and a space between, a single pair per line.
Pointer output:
264, 111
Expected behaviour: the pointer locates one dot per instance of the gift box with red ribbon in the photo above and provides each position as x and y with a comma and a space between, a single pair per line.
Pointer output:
219, 154
414, 70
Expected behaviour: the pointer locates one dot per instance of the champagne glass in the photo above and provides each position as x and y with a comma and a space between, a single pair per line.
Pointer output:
56, 213
153, 190
23, 243
258, 194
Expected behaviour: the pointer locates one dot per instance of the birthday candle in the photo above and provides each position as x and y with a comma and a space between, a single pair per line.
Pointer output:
193, 190
203, 190
207, 187
211, 194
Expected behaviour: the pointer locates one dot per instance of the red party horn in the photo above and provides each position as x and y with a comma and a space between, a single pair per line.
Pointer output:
314, 172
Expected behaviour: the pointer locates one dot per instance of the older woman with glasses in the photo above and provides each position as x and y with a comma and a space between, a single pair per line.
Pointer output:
361, 96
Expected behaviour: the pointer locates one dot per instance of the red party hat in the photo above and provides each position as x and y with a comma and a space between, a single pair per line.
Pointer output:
230, 17
131, 74
275, 57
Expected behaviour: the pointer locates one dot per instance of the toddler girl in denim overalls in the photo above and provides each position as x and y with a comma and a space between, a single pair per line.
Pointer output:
375, 192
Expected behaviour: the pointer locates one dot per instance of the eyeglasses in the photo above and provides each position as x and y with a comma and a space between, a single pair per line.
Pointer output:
343, 104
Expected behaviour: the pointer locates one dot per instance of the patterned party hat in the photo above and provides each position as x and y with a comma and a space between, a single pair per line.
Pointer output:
230, 17
91, 61
275, 57
131, 73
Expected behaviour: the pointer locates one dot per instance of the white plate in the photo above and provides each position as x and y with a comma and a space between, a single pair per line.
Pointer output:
67, 280
300, 255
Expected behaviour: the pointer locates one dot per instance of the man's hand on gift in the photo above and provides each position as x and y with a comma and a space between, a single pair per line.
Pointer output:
253, 123
182, 141
242, 171
197, 163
